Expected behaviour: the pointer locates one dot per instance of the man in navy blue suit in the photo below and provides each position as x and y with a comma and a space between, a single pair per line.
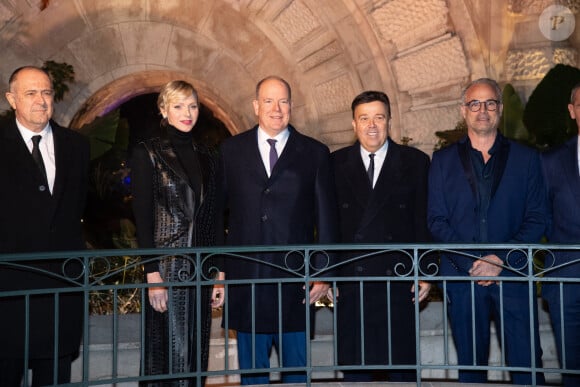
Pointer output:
488, 189
278, 187
386, 205
563, 183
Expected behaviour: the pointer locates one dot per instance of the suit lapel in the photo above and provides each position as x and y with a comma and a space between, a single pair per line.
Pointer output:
389, 173
463, 150
21, 155
389, 177
251, 152
500, 163
356, 176
289, 155
62, 159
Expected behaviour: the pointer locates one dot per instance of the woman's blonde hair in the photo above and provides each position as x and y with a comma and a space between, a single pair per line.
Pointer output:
172, 91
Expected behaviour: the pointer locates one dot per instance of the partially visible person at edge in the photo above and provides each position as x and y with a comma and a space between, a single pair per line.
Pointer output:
44, 169
561, 170
488, 189
278, 187
381, 190
174, 190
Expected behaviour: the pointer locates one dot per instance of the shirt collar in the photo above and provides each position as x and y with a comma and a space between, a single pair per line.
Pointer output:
380, 153
281, 137
494, 148
27, 134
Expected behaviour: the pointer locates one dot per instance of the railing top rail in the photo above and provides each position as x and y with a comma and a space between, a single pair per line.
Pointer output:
278, 248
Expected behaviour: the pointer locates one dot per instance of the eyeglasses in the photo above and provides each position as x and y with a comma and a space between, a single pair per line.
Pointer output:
475, 105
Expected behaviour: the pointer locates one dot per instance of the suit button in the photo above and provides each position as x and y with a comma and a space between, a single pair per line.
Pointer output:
359, 269
345, 205
267, 191
42, 188
264, 218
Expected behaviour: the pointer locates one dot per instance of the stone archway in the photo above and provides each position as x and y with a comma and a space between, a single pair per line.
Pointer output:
119, 91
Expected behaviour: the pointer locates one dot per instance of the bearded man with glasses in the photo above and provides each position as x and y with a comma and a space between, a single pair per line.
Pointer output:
488, 189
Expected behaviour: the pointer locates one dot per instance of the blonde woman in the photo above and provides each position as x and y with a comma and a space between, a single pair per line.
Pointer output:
174, 191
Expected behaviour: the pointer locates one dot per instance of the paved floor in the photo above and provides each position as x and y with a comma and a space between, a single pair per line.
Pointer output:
101, 365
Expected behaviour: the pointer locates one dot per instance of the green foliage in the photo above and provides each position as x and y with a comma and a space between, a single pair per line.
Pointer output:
105, 133
546, 114
62, 74
108, 222
120, 270
511, 124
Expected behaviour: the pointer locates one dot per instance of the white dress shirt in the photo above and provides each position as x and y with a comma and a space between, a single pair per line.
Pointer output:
264, 146
46, 146
380, 156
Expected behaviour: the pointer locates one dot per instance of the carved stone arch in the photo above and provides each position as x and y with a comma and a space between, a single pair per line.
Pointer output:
124, 88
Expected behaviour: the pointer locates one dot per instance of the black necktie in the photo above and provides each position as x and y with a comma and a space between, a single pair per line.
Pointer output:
273, 153
371, 170
37, 156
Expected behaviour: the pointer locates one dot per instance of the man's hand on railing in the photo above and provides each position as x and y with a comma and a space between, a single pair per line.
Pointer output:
424, 288
218, 293
330, 294
157, 296
487, 266
317, 291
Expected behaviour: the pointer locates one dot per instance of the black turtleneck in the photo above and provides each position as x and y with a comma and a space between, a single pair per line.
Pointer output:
183, 144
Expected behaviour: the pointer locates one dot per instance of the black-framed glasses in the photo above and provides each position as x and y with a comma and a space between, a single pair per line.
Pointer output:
475, 105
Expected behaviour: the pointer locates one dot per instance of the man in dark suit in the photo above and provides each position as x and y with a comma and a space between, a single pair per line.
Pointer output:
561, 166
42, 203
382, 198
488, 189
278, 188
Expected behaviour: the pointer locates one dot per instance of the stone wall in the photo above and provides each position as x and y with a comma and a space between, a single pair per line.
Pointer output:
421, 53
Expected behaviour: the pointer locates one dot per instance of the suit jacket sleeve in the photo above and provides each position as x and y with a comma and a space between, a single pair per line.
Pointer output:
533, 226
326, 212
421, 192
547, 170
438, 217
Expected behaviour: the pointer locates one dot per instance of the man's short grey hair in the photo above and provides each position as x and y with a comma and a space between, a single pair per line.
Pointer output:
483, 81
277, 78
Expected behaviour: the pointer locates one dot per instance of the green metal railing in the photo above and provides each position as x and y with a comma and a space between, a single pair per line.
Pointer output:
98, 272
